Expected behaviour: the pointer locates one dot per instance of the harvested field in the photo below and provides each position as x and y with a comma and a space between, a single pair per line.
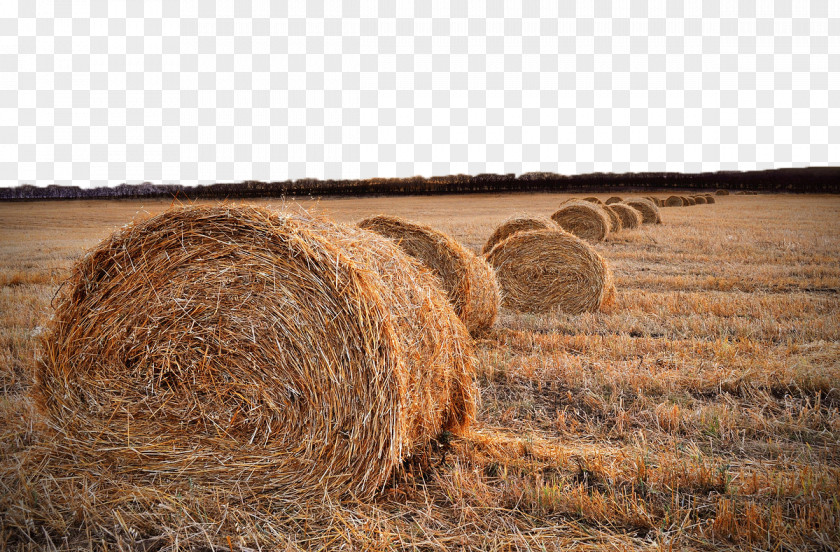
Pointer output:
701, 412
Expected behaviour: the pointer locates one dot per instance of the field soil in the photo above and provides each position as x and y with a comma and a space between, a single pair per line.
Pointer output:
701, 412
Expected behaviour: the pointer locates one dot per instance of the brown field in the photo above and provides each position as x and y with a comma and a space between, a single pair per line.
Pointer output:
702, 412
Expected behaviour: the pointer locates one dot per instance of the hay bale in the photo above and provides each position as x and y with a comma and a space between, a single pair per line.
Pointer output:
467, 279
233, 347
613, 199
615, 220
543, 270
514, 225
593, 199
709, 198
584, 220
650, 212
699, 200
721, 192
689, 201
630, 217
674, 201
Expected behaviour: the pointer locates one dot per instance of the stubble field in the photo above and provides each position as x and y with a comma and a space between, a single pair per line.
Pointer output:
701, 412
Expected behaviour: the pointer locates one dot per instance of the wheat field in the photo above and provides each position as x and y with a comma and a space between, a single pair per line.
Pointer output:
702, 411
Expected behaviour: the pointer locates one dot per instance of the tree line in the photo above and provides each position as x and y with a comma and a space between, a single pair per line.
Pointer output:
795, 180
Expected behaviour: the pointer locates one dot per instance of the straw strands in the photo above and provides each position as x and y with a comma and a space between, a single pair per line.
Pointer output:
584, 220
467, 279
615, 220
542, 270
229, 347
630, 217
649, 211
514, 225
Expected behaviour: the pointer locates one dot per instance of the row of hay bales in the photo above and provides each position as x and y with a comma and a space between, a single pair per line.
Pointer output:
209, 345
687, 201
593, 220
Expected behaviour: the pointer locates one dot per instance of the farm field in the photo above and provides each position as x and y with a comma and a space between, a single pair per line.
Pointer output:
702, 411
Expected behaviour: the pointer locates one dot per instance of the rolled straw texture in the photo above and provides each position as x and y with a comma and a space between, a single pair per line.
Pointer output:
238, 347
593, 199
514, 225
543, 270
613, 199
650, 212
630, 217
674, 201
467, 279
699, 200
584, 220
615, 219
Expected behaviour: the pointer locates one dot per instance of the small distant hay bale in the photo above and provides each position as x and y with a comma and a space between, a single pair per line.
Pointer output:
655, 200
232, 347
613, 199
593, 199
544, 270
650, 212
721, 192
517, 224
689, 201
467, 279
615, 219
699, 200
585, 220
709, 198
630, 217
674, 201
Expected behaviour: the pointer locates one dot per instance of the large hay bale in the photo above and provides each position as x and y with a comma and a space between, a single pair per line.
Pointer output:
467, 279
514, 225
699, 200
650, 212
593, 199
721, 192
674, 201
584, 220
543, 270
630, 217
613, 199
615, 220
240, 348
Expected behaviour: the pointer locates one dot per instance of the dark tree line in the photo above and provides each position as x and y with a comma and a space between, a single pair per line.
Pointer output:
798, 180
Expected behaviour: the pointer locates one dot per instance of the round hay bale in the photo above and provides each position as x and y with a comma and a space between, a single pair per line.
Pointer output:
689, 201
543, 270
630, 217
721, 192
654, 200
467, 279
615, 220
699, 200
593, 199
613, 199
674, 201
650, 212
514, 225
709, 198
584, 220
240, 348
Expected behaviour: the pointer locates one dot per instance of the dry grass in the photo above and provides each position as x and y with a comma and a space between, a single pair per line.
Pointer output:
467, 279
586, 220
701, 413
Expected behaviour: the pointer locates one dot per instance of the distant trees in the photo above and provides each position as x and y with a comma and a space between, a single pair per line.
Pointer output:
801, 180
